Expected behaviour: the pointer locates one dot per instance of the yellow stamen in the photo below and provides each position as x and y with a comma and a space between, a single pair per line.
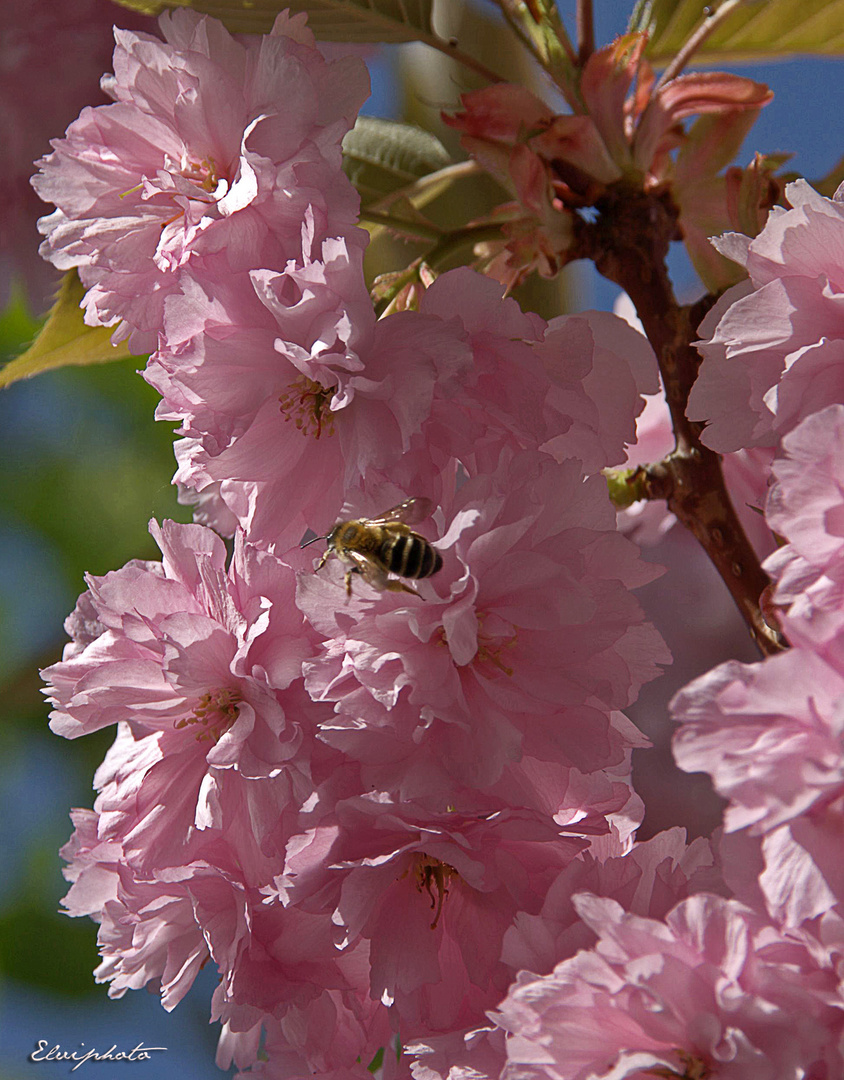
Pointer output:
216, 712
432, 877
305, 402
693, 1068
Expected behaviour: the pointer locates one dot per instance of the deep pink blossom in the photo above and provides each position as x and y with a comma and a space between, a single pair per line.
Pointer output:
713, 990
556, 164
209, 157
773, 347
527, 641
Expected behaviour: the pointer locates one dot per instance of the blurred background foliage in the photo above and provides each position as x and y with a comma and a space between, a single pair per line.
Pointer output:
85, 466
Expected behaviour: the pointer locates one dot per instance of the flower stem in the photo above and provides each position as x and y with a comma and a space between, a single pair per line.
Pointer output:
450, 48
427, 187
585, 31
628, 245
709, 25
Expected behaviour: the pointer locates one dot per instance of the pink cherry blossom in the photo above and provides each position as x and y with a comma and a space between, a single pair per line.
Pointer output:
211, 153
527, 642
290, 397
335, 1037
713, 990
164, 911
769, 734
204, 664
745, 472
432, 893
806, 506
52, 59
773, 347
647, 878
148, 927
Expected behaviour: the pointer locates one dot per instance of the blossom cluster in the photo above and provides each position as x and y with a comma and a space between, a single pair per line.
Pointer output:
346, 798
743, 978
396, 813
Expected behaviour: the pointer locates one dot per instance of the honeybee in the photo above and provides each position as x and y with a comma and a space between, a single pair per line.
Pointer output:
376, 547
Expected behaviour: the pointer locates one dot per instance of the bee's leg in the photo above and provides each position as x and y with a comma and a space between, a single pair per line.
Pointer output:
324, 559
399, 586
349, 580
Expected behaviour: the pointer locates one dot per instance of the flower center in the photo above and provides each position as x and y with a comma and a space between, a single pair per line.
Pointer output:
305, 402
432, 877
203, 173
494, 636
693, 1068
215, 712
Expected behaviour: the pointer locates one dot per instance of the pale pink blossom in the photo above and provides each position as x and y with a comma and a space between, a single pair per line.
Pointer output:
773, 348
335, 1037
51, 59
304, 397
806, 506
165, 910
713, 990
432, 893
149, 932
210, 155
600, 368
647, 878
293, 397
474, 1054
527, 641
746, 472
204, 665
769, 734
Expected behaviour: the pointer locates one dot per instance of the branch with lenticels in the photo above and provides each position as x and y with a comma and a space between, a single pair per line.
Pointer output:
628, 244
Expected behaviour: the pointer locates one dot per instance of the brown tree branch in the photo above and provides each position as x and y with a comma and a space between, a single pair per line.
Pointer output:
585, 31
628, 244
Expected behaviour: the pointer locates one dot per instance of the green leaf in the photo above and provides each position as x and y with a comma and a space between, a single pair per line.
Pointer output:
830, 183
756, 30
382, 157
64, 340
330, 20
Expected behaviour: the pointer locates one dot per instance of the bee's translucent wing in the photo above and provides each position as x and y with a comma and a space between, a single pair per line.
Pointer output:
408, 512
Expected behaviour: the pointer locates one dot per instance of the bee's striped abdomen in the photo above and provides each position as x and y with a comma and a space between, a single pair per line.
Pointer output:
410, 556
